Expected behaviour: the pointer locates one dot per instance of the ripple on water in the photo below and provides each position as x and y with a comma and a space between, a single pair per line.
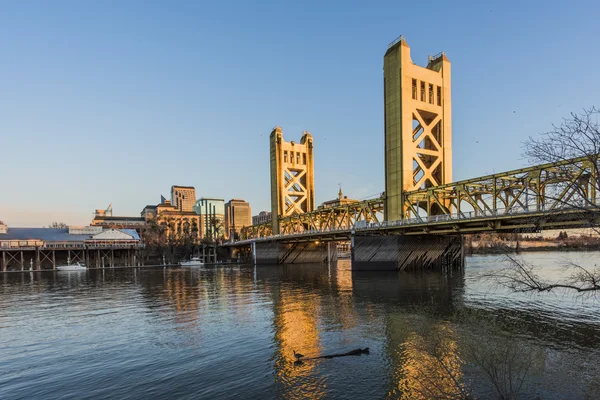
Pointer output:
230, 333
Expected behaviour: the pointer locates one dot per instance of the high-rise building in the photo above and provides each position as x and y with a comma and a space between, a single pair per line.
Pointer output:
237, 215
292, 176
212, 216
418, 126
183, 198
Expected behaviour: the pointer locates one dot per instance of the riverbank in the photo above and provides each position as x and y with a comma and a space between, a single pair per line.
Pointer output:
514, 246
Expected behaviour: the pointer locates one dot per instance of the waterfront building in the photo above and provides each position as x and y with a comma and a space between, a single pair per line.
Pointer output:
117, 221
263, 217
106, 219
183, 198
237, 215
149, 213
72, 236
212, 216
104, 212
177, 223
39, 248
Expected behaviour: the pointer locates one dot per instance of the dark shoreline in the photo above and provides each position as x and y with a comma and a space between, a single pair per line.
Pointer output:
525, 249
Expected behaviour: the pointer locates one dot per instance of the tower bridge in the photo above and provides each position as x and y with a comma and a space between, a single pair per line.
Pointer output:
421, 216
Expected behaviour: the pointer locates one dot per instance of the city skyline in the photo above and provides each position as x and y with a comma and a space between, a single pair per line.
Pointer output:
92, 103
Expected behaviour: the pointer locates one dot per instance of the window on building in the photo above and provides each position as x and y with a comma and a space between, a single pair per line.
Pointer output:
422, 91
439, 96
291, 156
431, 94
414, 89
285, 156
304, 158
297, 158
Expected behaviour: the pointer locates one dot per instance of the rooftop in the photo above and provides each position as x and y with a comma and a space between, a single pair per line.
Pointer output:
53, 234
183, 187
111, 218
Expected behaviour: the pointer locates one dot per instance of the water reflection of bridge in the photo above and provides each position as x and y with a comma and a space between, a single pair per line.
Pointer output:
317, 309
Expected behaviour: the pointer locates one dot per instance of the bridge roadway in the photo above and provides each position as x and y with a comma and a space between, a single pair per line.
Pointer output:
516, 219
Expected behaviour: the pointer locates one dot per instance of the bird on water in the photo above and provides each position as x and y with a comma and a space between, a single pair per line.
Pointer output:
298, 355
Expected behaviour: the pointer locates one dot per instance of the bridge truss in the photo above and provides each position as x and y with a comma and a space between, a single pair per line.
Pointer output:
323, 219
557, 195
569, 184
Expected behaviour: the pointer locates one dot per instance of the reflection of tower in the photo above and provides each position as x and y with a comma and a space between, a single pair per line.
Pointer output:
292, 176
418, 127
296, 316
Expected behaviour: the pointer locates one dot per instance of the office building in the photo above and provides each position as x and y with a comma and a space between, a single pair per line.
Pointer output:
237, 215
212, 216
183, 198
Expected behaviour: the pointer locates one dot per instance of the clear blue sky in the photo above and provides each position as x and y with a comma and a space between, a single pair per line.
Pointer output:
115, 101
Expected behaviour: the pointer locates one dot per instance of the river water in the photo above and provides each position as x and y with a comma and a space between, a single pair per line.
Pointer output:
230, 332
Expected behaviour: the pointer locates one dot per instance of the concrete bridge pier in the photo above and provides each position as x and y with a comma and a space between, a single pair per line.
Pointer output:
293, 253
403, 252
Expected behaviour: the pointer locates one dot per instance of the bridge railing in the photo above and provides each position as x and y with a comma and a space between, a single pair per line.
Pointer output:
437, 219
568, 184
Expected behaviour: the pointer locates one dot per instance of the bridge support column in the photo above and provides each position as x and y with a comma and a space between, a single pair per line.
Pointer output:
395, 252
293, 253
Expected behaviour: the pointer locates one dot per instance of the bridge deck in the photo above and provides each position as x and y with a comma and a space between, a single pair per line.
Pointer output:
464, 223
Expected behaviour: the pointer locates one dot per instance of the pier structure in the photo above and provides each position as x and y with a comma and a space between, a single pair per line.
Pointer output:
45, 248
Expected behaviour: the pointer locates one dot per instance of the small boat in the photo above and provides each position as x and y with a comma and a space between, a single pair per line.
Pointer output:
72, 267
193, 262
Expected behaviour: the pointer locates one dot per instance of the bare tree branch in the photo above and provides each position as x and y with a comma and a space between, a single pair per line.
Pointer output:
521, 277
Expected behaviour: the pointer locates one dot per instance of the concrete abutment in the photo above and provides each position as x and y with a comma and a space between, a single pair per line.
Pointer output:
399, 252
293, 253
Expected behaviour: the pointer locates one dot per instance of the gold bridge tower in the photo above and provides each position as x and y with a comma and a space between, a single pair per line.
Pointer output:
418, 128
292, 176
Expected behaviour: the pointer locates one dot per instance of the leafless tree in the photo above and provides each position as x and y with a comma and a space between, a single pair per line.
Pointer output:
58, 225
574, 148
575, 137
520, 276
